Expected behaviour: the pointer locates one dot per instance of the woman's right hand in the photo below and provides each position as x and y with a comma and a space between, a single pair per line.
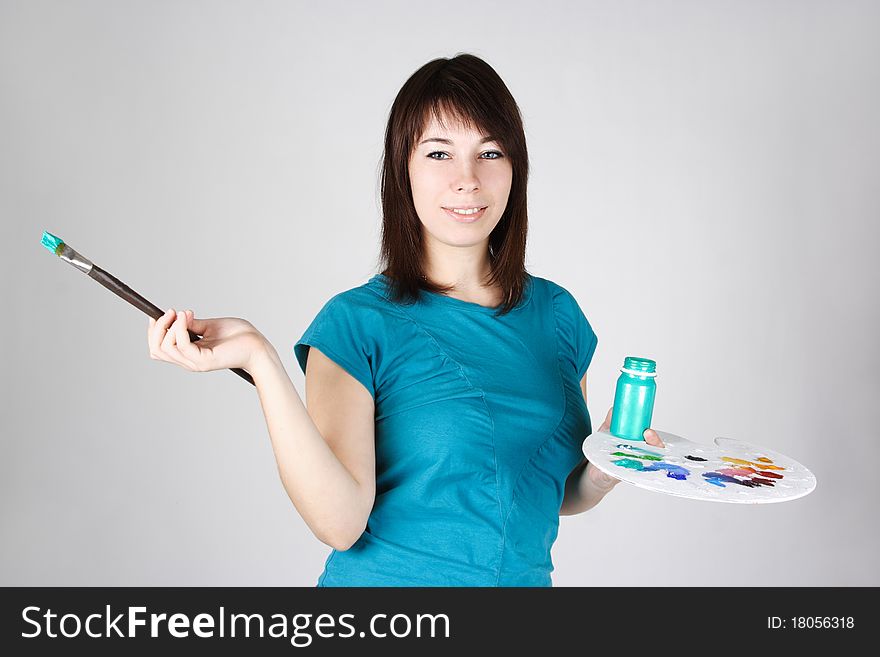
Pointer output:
226, 342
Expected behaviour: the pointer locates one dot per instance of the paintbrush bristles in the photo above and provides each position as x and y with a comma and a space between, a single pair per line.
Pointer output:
57, 246
51, 242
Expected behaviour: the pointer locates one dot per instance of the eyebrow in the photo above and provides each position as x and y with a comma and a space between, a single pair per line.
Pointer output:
447, 141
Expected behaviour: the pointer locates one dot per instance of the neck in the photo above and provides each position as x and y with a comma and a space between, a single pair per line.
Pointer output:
467, 268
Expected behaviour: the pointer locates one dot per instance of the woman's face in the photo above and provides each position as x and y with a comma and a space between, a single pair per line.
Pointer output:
463, 171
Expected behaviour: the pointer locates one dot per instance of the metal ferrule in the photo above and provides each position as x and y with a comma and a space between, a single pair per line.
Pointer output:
69, 255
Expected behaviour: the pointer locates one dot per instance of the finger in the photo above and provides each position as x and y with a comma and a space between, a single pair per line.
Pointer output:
607, 482
157, 334
168, 348
653, 438
188, 351
660, 442
169, 335
181, 339
607, 478
163, 323
601, 480
606, 425
197, 326
154, 323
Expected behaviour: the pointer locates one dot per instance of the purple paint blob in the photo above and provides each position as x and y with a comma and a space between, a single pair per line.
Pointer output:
718, 478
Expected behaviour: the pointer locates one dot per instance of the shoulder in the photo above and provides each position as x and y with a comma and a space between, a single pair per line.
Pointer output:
361, 296
359, 312
563, 300
349, 328
571, 321
577, 339
361, 301
554, 288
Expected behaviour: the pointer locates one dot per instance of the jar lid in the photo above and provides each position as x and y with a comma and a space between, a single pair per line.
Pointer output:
638, 365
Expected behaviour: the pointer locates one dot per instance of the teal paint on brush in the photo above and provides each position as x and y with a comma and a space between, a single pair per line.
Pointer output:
51, 242
634, 398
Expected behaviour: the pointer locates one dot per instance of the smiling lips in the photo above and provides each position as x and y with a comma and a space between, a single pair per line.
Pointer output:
466, 215
465, 210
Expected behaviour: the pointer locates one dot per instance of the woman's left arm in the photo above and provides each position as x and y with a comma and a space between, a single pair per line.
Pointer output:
587, 484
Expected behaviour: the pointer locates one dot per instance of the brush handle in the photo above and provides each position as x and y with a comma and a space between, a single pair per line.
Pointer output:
122, 290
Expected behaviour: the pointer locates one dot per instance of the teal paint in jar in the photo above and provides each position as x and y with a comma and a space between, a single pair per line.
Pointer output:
634, 398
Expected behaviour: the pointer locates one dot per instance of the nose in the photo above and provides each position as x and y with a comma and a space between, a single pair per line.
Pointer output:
465, 179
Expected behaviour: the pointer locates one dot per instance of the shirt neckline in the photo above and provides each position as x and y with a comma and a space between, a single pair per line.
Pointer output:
442, 300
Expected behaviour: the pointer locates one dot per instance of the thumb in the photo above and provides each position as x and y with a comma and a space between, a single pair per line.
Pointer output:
198, 326
607, 423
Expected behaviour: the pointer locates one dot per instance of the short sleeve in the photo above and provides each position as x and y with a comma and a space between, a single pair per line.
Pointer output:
576, 333
585, 340
338, 331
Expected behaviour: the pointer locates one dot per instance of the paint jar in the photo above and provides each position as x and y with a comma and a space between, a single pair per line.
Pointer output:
634, 398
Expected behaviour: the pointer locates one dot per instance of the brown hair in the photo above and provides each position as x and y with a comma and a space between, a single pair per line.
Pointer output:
469, 91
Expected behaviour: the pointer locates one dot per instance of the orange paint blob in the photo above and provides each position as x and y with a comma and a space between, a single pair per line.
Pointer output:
763, 465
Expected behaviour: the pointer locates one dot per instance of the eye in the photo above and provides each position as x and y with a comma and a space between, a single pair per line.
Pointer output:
498, 155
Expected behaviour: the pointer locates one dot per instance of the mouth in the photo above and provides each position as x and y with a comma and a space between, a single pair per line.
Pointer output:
466, 216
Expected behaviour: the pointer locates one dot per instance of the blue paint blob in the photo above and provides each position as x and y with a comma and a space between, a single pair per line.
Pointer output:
672, 471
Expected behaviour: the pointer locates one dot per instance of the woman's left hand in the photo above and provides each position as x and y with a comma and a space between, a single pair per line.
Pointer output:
606, 482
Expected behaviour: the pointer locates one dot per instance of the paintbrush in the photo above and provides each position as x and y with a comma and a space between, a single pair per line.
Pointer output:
117, 287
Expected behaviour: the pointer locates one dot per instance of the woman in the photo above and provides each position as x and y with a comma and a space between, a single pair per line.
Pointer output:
447, 395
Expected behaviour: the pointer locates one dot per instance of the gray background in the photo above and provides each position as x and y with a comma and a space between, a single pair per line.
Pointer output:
704, 181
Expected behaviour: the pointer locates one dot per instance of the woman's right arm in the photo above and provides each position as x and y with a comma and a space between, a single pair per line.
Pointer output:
326, 454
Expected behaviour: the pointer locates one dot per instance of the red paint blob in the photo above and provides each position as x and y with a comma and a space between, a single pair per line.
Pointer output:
770, 474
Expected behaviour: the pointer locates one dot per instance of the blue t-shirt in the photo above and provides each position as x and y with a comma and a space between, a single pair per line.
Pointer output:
479, 421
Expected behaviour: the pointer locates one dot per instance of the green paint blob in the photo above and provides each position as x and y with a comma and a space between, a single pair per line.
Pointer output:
52, 242
638, 449
647, 457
